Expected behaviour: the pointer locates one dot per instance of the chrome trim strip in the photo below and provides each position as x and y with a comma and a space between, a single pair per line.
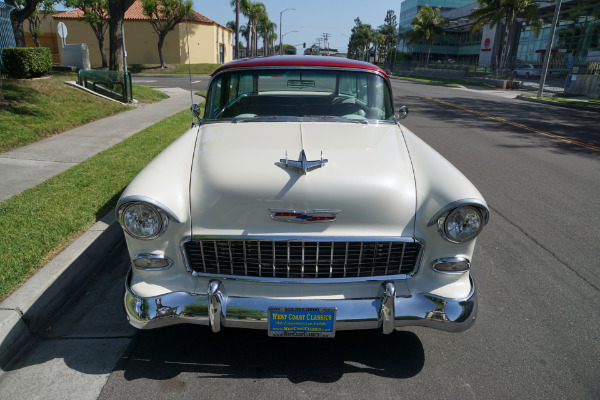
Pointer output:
164, 219
307, 238
144, 199
326, 213
480, 204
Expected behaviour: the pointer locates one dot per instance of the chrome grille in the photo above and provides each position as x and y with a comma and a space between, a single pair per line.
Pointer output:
301, 259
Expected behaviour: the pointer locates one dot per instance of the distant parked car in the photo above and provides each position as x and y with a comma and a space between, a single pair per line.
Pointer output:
526, 70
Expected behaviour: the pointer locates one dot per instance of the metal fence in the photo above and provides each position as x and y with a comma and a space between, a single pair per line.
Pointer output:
7, 36
113, 84
572, 77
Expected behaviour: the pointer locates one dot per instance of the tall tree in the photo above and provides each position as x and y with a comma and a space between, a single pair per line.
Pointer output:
23, 9
360, 40
236, 4
37, 17
95, 14
117, 10
257, 12
267, 28
494, 12
245, 6
390, 31
427, 25
164, 16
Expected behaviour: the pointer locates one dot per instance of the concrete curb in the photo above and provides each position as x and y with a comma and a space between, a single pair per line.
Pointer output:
27, 311
558, 104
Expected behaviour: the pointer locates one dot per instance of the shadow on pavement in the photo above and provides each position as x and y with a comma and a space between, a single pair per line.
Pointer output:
165, 353
569, 124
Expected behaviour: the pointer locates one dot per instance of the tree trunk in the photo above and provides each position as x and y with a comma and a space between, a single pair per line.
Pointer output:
115, 23
102, 52
161, 41
18, 30
237, 29
18, 16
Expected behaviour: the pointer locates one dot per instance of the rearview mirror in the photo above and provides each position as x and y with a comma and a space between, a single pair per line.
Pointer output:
195, 109
401, 113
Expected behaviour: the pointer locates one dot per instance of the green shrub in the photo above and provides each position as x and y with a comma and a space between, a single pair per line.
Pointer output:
26, 62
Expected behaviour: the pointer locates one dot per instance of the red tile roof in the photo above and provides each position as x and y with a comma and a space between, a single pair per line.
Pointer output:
134, 13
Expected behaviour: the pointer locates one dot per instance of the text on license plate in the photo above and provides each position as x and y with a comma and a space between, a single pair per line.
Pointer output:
302, 322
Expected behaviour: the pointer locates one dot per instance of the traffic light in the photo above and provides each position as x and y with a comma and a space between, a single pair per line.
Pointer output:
304, 45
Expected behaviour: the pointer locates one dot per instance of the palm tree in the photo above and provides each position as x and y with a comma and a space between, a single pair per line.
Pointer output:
245, 6
267, 27
496, 11
236, 4
427, 25
256, 13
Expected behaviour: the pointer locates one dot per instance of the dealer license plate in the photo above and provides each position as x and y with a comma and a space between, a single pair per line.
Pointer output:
302, 322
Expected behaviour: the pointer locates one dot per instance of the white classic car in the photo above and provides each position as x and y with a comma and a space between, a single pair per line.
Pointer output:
300, 205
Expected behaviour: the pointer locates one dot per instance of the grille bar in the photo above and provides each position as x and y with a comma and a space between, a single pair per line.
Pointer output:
304, 259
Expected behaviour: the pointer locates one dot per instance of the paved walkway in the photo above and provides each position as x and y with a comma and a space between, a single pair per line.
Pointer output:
31, 165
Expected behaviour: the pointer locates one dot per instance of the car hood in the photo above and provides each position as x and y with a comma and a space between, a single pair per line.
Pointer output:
237, 178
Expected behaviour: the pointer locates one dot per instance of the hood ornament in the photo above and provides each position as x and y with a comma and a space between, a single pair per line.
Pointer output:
303, 162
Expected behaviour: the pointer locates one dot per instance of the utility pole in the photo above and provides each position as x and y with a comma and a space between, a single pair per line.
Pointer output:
319, 39
325, 41
549, 49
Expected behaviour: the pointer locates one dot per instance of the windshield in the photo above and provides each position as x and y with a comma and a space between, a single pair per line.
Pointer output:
303, 93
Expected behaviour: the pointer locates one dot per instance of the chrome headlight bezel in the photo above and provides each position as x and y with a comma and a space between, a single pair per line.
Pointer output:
161, 216
441, 219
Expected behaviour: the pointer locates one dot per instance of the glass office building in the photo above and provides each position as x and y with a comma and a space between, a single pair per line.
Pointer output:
456, 43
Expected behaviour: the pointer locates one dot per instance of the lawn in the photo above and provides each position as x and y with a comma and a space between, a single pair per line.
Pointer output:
40, 108
196, 69
565, 99
444, 81
43, 220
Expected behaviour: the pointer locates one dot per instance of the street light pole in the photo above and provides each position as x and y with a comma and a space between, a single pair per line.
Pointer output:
280, 37
548, 49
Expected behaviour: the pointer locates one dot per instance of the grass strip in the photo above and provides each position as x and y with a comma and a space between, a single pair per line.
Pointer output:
589, 103
196, 69
42, 221
40, 108
444, 81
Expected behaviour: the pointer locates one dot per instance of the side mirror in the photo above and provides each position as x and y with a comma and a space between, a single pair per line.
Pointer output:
195, 109
401, 113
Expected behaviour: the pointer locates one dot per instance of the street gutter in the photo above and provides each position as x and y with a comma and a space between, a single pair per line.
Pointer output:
27, 311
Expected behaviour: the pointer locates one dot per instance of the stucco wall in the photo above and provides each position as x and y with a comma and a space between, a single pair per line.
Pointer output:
204, 43
141, 42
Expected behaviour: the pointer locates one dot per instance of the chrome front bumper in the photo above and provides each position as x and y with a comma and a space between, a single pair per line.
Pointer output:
216, 309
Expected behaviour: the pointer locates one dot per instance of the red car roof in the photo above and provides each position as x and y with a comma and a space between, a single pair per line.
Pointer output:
295, 61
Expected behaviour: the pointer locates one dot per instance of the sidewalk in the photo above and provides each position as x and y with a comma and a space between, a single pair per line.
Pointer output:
31, 165
25, 312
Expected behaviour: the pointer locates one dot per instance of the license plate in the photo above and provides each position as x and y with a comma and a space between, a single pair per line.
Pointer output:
302, 322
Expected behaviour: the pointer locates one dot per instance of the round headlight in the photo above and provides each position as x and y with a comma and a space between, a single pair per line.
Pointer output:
461, 224
143, 221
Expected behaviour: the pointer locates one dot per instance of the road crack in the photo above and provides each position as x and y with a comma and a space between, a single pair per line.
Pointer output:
546, 249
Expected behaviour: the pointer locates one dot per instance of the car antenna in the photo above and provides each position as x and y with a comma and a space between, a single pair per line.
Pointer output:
187, 34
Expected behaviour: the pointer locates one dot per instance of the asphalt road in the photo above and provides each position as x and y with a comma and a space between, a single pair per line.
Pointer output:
196, 82
535, 266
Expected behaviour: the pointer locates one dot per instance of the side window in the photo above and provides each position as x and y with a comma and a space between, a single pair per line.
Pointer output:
216, 92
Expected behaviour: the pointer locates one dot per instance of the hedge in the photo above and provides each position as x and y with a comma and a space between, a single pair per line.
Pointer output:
26, 62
